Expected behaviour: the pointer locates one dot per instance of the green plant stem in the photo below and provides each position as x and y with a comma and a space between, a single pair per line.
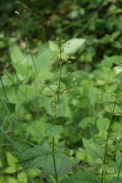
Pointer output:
54, 160
57, 100
59, 81
108, 134
119, 168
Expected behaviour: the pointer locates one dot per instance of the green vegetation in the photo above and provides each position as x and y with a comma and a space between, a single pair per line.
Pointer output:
60, 101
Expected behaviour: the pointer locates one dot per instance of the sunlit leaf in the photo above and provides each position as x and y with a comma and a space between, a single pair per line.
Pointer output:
74, 45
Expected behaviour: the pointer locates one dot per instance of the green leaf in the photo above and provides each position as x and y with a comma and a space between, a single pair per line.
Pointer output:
86, 122
53, 46
57, 110
91, 93
36, 128
16, 54
82, 177
11, 159
12, 180
102, 124
73, 45
62, 164
43, 75
106, 63
2, 180
43, 62
53, 130
116, 107
22, 63
22, 177
116, 59
93, 149
115, 180
41, 156
61, 109
33, 172
10, 169
23, 69
33, 157
8, 79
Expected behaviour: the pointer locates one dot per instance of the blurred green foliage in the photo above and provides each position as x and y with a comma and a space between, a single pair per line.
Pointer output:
99, 22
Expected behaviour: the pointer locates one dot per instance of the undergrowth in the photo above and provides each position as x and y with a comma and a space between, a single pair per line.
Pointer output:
54, 159
101, 160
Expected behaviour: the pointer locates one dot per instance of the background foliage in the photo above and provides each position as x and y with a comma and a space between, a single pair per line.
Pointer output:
94, 30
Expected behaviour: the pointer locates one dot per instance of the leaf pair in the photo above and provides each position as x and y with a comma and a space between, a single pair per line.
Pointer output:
41, 156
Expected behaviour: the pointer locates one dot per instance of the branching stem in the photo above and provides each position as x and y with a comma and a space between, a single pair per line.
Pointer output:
57, 100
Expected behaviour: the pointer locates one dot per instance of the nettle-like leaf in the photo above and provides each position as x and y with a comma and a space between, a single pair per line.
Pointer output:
82, 177
53, 130
41, 156
34, 157
94, 149
62, 164
57, 110
115, 180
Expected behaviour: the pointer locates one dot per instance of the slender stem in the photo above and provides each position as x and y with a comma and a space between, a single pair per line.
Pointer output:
108, 134
120, 168
55, 116
59, 81
54, 159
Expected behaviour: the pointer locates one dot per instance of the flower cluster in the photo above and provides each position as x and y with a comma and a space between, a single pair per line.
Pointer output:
113, 99
56, 88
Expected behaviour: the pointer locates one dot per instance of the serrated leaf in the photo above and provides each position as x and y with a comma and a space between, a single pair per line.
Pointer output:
82, 177
62, 164
41, 156
94, 149
115, 180
53, 130
57, 110
33, 157
61, 108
